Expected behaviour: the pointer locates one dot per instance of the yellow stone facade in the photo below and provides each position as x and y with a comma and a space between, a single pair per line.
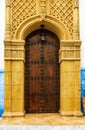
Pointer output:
60, 17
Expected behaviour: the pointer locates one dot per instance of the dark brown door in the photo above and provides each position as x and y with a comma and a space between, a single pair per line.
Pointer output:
42, 73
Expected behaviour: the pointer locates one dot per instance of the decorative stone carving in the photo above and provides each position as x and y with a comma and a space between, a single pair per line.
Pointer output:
43, 9
17, 54
14, 52
76, 3
68, 54
8, 2
76, 34
8, 31
8, 20
63, 10
14, 55
69, 51
7, 54
21, 10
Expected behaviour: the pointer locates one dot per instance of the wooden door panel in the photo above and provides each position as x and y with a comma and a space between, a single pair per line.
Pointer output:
35, 70
49, 70
35, 52
42, 81
35, 87
34, 104
50, 86
49, 52
51, 106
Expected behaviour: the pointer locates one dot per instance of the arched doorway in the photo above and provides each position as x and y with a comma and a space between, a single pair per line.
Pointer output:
42, 72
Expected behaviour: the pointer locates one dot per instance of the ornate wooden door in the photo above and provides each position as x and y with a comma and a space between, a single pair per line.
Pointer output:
42, 73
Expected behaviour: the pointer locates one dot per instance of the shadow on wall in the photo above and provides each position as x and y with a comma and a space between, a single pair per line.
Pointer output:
1, 92
83, 90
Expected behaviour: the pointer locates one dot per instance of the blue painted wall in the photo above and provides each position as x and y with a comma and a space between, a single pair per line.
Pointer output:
1, 92
82, 86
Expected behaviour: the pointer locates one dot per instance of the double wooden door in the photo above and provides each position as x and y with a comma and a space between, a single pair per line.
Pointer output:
42, 73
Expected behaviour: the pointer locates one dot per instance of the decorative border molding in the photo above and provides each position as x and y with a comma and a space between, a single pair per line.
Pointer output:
43, 9
69, 50
76, 3
14, 50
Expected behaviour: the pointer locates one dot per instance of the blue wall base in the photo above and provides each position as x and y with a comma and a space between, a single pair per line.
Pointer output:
1, 92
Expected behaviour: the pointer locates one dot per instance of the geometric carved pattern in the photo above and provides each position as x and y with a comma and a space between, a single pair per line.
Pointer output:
63, 10
21, 10
69, 51
15, 54
69, 55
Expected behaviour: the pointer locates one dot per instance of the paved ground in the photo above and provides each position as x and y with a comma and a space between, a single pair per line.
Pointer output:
43, 119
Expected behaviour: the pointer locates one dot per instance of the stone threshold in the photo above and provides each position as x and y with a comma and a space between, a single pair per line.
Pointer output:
43, 119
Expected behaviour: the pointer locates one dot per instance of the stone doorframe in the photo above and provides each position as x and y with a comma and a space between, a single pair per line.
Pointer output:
69, 59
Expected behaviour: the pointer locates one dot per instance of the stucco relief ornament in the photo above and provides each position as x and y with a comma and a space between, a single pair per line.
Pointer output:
43, 16
8, 2
76, 3
43, 9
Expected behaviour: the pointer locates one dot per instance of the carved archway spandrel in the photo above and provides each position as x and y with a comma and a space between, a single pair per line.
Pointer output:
23, 10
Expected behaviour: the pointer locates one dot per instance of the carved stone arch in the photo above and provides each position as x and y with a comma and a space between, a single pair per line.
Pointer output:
52, 24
